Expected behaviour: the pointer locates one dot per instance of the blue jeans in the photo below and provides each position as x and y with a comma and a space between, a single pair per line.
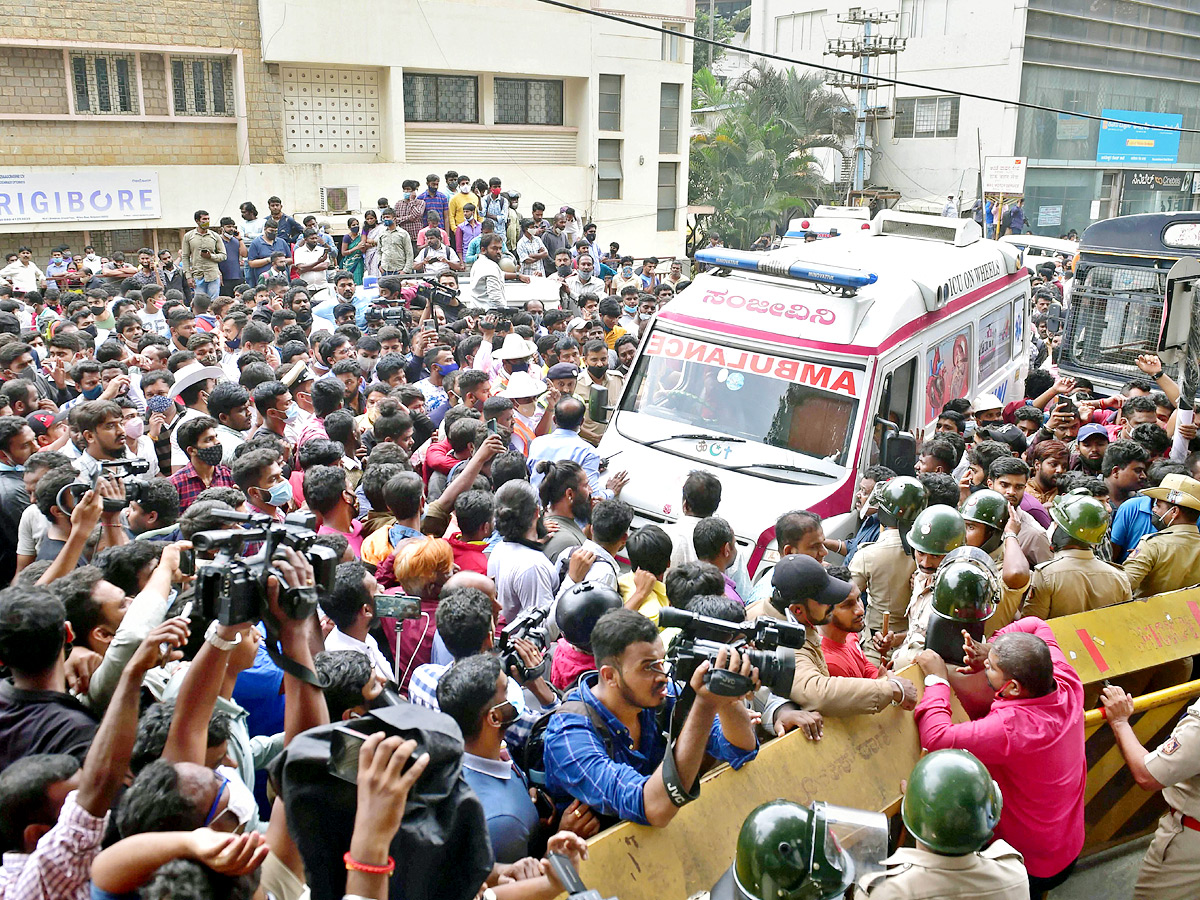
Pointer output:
212, 288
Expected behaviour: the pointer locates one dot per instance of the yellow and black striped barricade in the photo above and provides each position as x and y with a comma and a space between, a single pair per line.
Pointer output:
862, 760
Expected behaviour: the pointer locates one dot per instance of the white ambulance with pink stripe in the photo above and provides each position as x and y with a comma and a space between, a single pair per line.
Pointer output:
787, 373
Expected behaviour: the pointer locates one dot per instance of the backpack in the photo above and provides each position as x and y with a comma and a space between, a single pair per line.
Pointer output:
530, 756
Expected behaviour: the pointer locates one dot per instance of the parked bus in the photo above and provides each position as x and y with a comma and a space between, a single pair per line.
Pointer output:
1117, 297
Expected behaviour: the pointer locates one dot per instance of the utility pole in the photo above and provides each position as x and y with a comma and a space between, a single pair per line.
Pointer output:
871, 45
712, 31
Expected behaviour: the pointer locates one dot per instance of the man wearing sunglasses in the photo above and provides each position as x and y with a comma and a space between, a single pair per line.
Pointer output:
604, 747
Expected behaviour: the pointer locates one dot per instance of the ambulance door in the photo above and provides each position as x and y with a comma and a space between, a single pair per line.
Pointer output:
896, 415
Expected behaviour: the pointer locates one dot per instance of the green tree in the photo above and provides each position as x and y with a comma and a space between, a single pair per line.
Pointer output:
704, 55
752, 153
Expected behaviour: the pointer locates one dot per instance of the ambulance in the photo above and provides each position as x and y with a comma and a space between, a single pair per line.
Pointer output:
829, 221
788, 373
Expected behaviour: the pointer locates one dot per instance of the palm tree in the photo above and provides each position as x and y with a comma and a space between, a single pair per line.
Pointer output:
753, 160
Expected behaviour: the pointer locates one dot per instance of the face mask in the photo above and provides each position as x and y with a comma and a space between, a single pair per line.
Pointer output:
627, 271
366, 364
564, 271
159, 404
91, 329
537, 319
134, 429
519, 367
585, 276
597, 371
387, 223
629, 310
210, 456
280, 494
97, 311
9, 467
464, 189
495, 192
291, 412
93, 393
304, 319
447, 368
1158, 522
644, 316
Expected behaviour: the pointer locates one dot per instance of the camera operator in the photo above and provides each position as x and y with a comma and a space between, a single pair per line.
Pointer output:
605, 748
100, 424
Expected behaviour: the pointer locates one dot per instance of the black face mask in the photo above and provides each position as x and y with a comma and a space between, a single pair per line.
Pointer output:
597, 372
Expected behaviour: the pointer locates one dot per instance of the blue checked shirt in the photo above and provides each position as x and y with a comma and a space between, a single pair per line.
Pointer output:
422, 690
563, 444
578, 767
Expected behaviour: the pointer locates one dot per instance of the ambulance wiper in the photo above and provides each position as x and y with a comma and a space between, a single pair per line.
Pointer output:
785, 467
698, 436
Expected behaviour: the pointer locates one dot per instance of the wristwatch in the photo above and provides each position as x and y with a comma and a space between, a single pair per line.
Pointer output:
931, 680
219, 642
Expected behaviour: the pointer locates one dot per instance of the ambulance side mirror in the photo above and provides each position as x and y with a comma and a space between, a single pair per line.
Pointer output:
898, 449
598, 407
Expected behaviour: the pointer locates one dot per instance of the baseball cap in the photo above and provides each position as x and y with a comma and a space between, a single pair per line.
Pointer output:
41, 422
562, 370
986, 402
576, 323
1007, 434
1092, 430
797, 577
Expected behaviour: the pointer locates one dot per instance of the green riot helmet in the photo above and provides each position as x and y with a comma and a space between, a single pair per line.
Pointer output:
966, 591
1081, 516
987, 508
899, 500
938, 529
788, 851
952, 804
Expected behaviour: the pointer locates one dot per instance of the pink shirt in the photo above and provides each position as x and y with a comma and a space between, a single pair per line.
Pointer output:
1034, 749
568, 663
355, 537
847, 660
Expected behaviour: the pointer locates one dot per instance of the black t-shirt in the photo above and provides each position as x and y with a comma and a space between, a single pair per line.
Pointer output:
51, 548
42, 722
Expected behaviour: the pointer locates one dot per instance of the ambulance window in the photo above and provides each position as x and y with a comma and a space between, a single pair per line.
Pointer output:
896, 402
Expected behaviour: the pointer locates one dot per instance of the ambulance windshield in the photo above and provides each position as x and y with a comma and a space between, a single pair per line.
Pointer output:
796, 405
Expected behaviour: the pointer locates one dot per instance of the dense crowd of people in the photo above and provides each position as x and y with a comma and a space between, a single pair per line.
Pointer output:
442, 444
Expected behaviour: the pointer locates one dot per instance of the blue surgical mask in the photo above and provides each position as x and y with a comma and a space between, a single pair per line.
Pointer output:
93, 393
280, 494
447, 368
290, 414
233, 343
520, 367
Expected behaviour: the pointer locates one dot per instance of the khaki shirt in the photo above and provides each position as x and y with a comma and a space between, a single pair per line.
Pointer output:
883, 572
1164, 561
1074, 581
1010, 598
395, 251
917, 614
997, 873
1033, 540
813, 688
1176, 764
204, 268
591, 430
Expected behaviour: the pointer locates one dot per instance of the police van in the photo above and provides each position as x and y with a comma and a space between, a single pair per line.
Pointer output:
788, 373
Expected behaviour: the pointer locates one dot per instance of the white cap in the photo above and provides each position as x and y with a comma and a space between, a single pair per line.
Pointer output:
523, 386
984, 402
191, 375
515, 347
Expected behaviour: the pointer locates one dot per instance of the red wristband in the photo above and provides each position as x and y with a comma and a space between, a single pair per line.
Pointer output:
353, 864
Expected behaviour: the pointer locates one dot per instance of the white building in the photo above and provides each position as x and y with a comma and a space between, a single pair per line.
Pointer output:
1077, 55
289, 97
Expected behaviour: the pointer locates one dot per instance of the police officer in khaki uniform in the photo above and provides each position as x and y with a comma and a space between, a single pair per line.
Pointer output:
804, 592
950, 808
1171, 868
1075, 580
1169, 559
883, 570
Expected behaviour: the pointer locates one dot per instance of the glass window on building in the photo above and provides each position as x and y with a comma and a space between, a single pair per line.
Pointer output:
609, 170
926, 117
610, 102
202, 85
668, 118
672, 44
528, 101
441, 98
668, 195
104, 83
1059, 200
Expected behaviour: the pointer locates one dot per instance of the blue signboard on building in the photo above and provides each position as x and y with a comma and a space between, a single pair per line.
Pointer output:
1144, 142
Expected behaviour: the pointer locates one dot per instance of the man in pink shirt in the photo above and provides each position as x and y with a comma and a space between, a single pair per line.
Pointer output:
839, 636
329, 496
1031, 741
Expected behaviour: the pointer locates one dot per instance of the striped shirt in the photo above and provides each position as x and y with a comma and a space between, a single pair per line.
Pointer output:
60, 868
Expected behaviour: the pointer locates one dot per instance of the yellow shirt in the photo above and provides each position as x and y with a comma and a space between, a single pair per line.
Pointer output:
651, 605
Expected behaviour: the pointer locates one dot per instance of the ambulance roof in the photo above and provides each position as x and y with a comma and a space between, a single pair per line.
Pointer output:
916, 283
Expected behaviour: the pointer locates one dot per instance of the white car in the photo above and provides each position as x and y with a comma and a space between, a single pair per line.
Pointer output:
1037, 249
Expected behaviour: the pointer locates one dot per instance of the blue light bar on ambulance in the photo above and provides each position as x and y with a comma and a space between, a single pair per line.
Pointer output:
756, 262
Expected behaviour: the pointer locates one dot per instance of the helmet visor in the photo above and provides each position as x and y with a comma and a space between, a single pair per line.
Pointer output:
856, 840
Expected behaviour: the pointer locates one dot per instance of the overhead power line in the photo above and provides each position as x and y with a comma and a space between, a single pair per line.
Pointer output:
882, 78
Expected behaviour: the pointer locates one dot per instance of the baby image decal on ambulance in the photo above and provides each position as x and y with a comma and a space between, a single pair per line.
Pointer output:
788, 373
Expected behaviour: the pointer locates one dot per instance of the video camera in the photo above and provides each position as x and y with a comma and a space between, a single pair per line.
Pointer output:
431, 291
531, 626
769, 642
124, 467
233, 589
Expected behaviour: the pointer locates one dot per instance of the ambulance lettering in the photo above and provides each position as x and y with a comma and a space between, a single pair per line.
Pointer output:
797, 311
959, 284
834, 379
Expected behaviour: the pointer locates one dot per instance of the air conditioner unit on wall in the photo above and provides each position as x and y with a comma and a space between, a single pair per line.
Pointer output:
341, 199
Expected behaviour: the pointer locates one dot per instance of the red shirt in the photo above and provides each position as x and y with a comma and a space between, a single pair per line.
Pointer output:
439, 458
847, 659
1033, 748
468, 555
568, 664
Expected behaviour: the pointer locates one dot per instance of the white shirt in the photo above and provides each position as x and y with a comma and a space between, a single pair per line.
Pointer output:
251, 229
23, 277
578, 288
527, 247
339, 640
155, 322
487, 281
93, 262
30, 531
305, 257
230, 440
437, 268
524, 578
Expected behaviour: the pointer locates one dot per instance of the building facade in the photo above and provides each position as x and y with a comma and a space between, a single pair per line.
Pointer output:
119, 120
1136, 61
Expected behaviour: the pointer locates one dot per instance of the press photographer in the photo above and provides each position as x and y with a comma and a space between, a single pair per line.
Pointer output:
605, 748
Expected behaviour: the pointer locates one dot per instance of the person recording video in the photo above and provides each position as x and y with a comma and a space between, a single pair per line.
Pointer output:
604, 747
